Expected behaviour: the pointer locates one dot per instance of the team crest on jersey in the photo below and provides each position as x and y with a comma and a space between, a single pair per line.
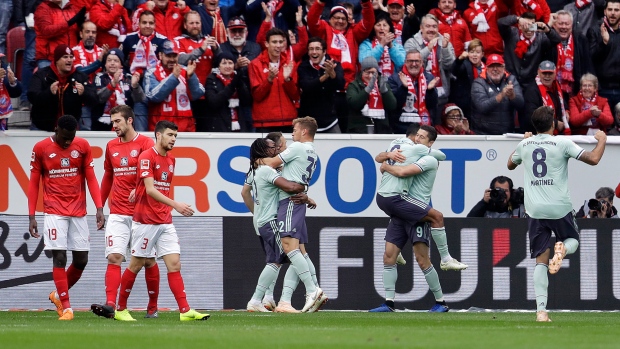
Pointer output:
183, 101
124, 161
171, 168
145, 164
175, 16
64, 162
75, 154
164, 176
134, 153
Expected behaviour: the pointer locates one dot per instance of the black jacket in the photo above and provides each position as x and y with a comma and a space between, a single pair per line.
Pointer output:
250, 51
460, 90
606, 58
22, 8
400, 92
46, 107
582, 62
217, 95
102, 80
317, 98
533, 100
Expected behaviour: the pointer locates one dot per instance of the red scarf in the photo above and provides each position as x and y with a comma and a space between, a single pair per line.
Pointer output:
219, 30
374, 106
607, 25
548, 102
532, 6
484, 12
63, 84
418, 111
523, 45
386, 66
580, 4
179, 97
482, 68
433, 60
6, 108
398, 31
117, 97
445, 18
566, 65
274, 6
84, 57
233, 102
144, 55
119, 28
586, 104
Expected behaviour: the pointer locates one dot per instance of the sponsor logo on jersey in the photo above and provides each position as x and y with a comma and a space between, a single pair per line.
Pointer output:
92, 163
145, 173
52, 155
157, 167
133, 153
32, 157
164, 176
115, 154
145, 164
64, 162
124, 161
75, 154
171, 168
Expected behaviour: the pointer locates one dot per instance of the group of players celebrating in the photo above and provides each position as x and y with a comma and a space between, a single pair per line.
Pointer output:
139, 172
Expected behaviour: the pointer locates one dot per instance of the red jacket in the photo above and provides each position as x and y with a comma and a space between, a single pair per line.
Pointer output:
491, 39
50, 25
109, 17
354, 35
274, 102
458, 30
578, 117
542, 11
168, 24
299, 49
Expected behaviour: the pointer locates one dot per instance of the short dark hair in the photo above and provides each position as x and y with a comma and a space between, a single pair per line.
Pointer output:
382, 16
164, 124
258, 150
275, 136
68, 122
500, 180
146, 13
432, 133
412, 129
542, 119
605, 192
319, 40
125, 111
611, 1
274, 32
307, 122
530, 15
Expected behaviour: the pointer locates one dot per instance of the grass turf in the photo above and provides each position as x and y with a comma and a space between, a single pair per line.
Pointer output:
321, 330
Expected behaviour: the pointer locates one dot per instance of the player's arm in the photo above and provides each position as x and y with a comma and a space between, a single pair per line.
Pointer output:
106, 185
401, 171
273, 162
246, 194
437, 154
511, 165
33, 197
288, 186
394, 155
514, 159
303, 198
593, 157
93, 188
151, 191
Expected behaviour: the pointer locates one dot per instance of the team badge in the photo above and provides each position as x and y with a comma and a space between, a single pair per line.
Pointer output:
569, 64
183, 101
175, 16
124, 162
75, 154
134, 153
171, 168
164, 176
139, 57
145, 164
64, 162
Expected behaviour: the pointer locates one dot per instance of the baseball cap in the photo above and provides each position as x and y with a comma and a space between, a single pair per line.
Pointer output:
495, 59
236, 22
396, 2
547, 66
168, 47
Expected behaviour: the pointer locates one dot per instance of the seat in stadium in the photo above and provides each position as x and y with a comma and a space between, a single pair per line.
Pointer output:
15, 45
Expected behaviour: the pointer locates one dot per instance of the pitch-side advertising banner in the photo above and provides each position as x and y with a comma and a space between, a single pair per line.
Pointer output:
211, 168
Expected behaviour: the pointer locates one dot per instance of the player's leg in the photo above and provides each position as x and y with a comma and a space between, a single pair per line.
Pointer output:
438, 232
540, 235
291, 280
268, 301
274, 255
78, 241
323, 299
567, 234
420, 239
395, 239
152, 276
55, 239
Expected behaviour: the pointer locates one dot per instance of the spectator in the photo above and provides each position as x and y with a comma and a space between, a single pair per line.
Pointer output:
370, 100
453, 122
273, 82
169, 88
24, 15
602, 206
557, 5
319, 79
279, 14
482, 18
546, 92
405, 26
450, 22
194, 46
465, 70
383, 47
296, 46
210, 18
168, 17
589, 111
114, 88
10, 87
495, 97
500, 200
615, 130
416, 96
225, 91
58, 90
6, 10
539, 8
437, 56
525, 44
585, 14
112, 21
55, 25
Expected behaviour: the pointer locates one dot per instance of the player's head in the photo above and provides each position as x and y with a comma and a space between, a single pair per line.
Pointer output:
278, 138
542, 119
65, 130
412, 130
426, 135
261, 148
166, 134
304, 128
122, 117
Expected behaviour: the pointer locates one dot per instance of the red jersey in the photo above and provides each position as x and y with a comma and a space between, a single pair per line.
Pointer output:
64, 173
161, 169
204, 63
121, 162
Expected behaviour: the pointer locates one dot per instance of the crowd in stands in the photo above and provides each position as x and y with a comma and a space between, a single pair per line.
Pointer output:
370, 66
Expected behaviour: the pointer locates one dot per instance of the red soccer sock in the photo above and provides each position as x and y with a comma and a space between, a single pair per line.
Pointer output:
73, 275
152, 286
112, 282
175, 281
129, 277
60, 280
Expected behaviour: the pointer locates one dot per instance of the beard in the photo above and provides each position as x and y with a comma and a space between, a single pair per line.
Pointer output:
237, 42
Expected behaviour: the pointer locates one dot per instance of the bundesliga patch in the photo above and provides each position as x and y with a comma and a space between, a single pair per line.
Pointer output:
64, 162
145, 164
124, 161
164, 176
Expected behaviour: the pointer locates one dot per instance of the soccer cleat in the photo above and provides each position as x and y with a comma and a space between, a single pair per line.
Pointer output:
256, 306
383, 308
453, 264
269, 303
439, 308
542, 316
103, 310
312, 300
192, 315
66, 315
286, 307
322, 301
560, 252
400, 260
123, 315
151, 315
54, 299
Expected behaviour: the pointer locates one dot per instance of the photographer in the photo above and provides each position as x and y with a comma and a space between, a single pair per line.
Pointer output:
500, 200
600, 207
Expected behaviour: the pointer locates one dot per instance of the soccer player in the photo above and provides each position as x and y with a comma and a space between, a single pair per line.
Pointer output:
152, 226
266, 184
547, 199
119, 181
404, 195
65, 164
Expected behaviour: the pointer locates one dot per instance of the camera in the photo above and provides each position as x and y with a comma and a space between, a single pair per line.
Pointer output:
596, 205
498, 196
533, 27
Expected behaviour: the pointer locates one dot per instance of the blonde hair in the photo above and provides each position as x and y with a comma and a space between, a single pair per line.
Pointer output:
475, 43
307, 122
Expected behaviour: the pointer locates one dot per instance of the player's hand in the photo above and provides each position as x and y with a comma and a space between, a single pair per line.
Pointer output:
184, 209
54, 87
487, 195
396, 155
600, 136
299, 198
32, 227
100, 219
132, 196
80, 88
311, 204
527, 135
383, 167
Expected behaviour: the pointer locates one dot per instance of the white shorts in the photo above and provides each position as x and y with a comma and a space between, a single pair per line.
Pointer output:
158, 239
66, 233
118, 236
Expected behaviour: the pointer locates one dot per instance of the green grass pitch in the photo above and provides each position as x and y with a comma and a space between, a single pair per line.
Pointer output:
320, 330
